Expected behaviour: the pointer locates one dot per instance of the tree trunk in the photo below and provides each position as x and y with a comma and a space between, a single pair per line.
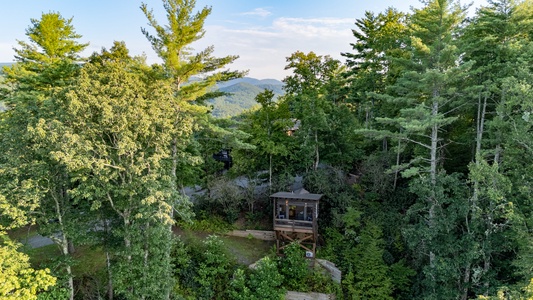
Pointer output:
63, 243
433, 175
270, 174
397, 166
109, 275
480, 124
434, 142
105, 243
466, 282
317, 156
486, 269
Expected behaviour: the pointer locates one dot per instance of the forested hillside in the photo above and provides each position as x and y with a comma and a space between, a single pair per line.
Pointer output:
240, 95
420, 144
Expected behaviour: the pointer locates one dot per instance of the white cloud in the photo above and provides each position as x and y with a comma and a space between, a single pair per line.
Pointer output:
324, 27
260, 12
263, 49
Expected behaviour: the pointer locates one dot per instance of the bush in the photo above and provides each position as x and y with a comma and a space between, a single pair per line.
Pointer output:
263, 283
203, 269
207, 223
295, 268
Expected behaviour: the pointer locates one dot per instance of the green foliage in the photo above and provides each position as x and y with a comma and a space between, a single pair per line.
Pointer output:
33, 181
18, 280
214, 269
446, 238
54, 293
112, 142
338, 196
372, 275
227, 196
207, 222
294, 268
314, 100
262, 282
238, 289
203, 269
266, 281
373, 66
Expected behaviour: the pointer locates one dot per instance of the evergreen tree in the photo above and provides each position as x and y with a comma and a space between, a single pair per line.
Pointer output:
172, 44
372, 67
33, 181
427, 91
372, 279
495, 39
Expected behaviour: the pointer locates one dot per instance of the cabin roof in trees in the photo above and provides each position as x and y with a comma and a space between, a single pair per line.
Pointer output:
300, 194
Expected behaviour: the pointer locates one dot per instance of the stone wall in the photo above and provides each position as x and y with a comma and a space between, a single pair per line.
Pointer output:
257, 234
308, 296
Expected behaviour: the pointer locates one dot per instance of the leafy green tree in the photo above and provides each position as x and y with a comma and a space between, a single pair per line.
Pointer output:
514, 127
497, 39
426, 89
216, 135
239, 289
18, 280
294, 267
117, 148
314, 97
268, 127
447, 238
213, 270
265, 281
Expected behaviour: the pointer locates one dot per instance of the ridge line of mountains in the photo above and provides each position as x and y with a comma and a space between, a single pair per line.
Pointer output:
242, 92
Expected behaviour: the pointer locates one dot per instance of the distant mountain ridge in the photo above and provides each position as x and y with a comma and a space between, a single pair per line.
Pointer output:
250, 80
242, 95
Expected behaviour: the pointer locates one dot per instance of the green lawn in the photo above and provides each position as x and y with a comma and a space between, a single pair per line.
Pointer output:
245, 250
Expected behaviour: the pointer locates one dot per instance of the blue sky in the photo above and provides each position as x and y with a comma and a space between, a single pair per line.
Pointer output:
262, 32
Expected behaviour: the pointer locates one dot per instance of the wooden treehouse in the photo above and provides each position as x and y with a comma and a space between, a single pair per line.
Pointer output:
295, 220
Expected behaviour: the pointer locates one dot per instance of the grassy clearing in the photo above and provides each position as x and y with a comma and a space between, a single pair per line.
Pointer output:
245, 250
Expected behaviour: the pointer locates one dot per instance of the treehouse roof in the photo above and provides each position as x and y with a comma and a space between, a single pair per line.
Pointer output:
300, 194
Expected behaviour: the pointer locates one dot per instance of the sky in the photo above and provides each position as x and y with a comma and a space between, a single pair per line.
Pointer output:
263, 33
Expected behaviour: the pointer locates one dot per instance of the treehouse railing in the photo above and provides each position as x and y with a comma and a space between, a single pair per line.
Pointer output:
293, 224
